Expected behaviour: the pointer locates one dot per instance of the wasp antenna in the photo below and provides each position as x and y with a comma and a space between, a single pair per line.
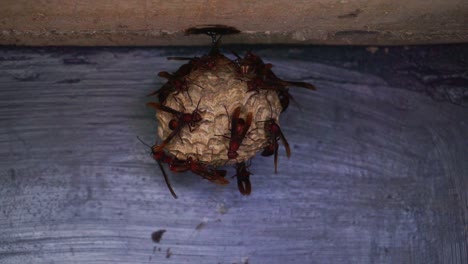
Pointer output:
144, 143
198, 104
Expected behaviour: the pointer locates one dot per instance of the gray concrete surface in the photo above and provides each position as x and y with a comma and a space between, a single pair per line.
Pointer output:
378, 172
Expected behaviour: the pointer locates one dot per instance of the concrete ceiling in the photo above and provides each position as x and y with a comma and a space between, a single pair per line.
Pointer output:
157, 22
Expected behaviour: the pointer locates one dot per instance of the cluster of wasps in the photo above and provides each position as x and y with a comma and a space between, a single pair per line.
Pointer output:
257, 75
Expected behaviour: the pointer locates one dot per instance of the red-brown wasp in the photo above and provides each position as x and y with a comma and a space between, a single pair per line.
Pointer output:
239, 128
243, 178
261, 77
181, 120
274, 134
251, 65
205, 171
176, 84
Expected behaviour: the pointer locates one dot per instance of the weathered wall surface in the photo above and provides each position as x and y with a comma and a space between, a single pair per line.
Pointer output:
377, 172
157, 22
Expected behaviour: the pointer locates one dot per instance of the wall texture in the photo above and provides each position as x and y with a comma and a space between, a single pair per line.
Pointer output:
158, 22
377, 172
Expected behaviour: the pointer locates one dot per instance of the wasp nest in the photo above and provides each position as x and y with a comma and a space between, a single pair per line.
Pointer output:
216, 93
214, 111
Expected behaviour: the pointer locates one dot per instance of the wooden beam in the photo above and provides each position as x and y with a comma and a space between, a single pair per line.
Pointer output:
157, 22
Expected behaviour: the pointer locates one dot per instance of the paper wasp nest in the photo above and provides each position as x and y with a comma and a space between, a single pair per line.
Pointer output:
218, 91
214, 111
